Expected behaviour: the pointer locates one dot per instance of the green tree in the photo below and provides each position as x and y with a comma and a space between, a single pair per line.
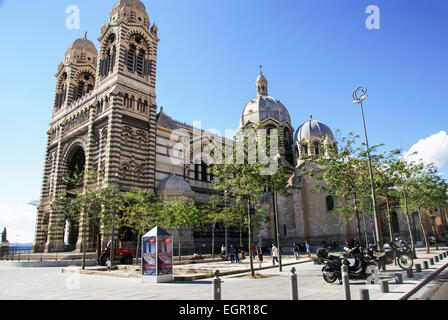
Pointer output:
343, 175
180, 214
245, 177
93, 205
140, 212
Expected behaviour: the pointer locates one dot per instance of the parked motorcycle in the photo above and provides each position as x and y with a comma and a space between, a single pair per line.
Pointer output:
363, 269
398, 252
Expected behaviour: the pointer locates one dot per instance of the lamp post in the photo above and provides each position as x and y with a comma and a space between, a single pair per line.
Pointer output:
358, 100
275, 207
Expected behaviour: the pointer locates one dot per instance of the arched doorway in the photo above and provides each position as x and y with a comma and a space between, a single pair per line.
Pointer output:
75, 169
74, 179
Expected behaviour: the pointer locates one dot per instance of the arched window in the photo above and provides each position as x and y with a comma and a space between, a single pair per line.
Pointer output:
61, 91
203, 171
140, 63
305, 149
85, 84
137, 56
126, 100
330, 203
130, 61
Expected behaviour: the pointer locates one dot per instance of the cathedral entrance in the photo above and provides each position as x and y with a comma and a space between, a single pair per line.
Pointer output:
76, 165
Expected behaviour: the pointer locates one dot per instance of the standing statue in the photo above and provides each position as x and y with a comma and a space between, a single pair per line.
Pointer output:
4, 239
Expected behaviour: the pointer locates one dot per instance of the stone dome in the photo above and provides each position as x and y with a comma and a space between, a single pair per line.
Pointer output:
312, 130
264, 106
82, 50
174, 186
133, 11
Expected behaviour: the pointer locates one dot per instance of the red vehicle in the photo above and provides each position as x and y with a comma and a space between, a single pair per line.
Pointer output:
122, 255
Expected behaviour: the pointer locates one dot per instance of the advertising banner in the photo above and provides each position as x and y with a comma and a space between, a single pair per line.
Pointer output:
165, 252
149, 247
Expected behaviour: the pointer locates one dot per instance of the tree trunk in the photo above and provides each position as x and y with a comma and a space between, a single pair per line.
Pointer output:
358, 226
388, 215
446, 218
434, 230
213, 239
138, 248
424, 231
375, 240
84, 250
179, 247
252, 272
408, 220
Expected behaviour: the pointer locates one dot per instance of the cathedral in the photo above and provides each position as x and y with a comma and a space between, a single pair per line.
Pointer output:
105, 117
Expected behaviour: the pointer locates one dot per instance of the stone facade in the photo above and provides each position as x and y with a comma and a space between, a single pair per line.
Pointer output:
105, 117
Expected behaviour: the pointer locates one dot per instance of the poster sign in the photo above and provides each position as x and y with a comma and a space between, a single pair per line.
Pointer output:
149, 256
165, 250
157, 256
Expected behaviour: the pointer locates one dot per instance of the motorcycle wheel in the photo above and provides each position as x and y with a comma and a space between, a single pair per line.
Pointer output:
329, 276
103, 258
405, 261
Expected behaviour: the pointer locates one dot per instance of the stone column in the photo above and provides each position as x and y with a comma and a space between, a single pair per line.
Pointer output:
40, 230
55, 243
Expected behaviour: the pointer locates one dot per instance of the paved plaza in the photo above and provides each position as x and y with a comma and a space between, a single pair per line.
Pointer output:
52, 284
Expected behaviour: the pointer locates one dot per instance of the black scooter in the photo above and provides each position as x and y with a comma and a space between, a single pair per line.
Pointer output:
363, 269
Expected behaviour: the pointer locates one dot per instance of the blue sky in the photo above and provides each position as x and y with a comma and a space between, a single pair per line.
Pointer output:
314, 53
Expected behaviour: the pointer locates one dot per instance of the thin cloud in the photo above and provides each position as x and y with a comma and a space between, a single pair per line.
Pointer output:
433, 149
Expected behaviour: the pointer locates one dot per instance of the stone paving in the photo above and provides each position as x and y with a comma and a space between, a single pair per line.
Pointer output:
52, 284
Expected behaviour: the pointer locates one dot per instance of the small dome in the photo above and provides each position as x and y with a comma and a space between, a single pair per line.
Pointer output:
174, 186
133, 11
82, 50
83, 44
264, 106
311, 130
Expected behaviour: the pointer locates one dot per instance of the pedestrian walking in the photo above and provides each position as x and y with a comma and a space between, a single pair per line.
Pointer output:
260, 254
243, 253
237, 254
295, 248
232, 253
308, 249
223, 252
274, 254
108, 265
253, 251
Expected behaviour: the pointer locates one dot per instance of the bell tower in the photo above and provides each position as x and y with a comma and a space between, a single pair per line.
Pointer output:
127, 61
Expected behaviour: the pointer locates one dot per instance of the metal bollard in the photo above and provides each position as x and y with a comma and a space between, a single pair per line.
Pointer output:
346, 282
216, 286
384, 286
294, 285
436, 258
444, 254
425, 265
364, 294
441, 256
409, 273
418, 267
398, 278
431, 261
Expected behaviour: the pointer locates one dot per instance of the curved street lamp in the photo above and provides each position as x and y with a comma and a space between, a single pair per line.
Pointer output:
359, 95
